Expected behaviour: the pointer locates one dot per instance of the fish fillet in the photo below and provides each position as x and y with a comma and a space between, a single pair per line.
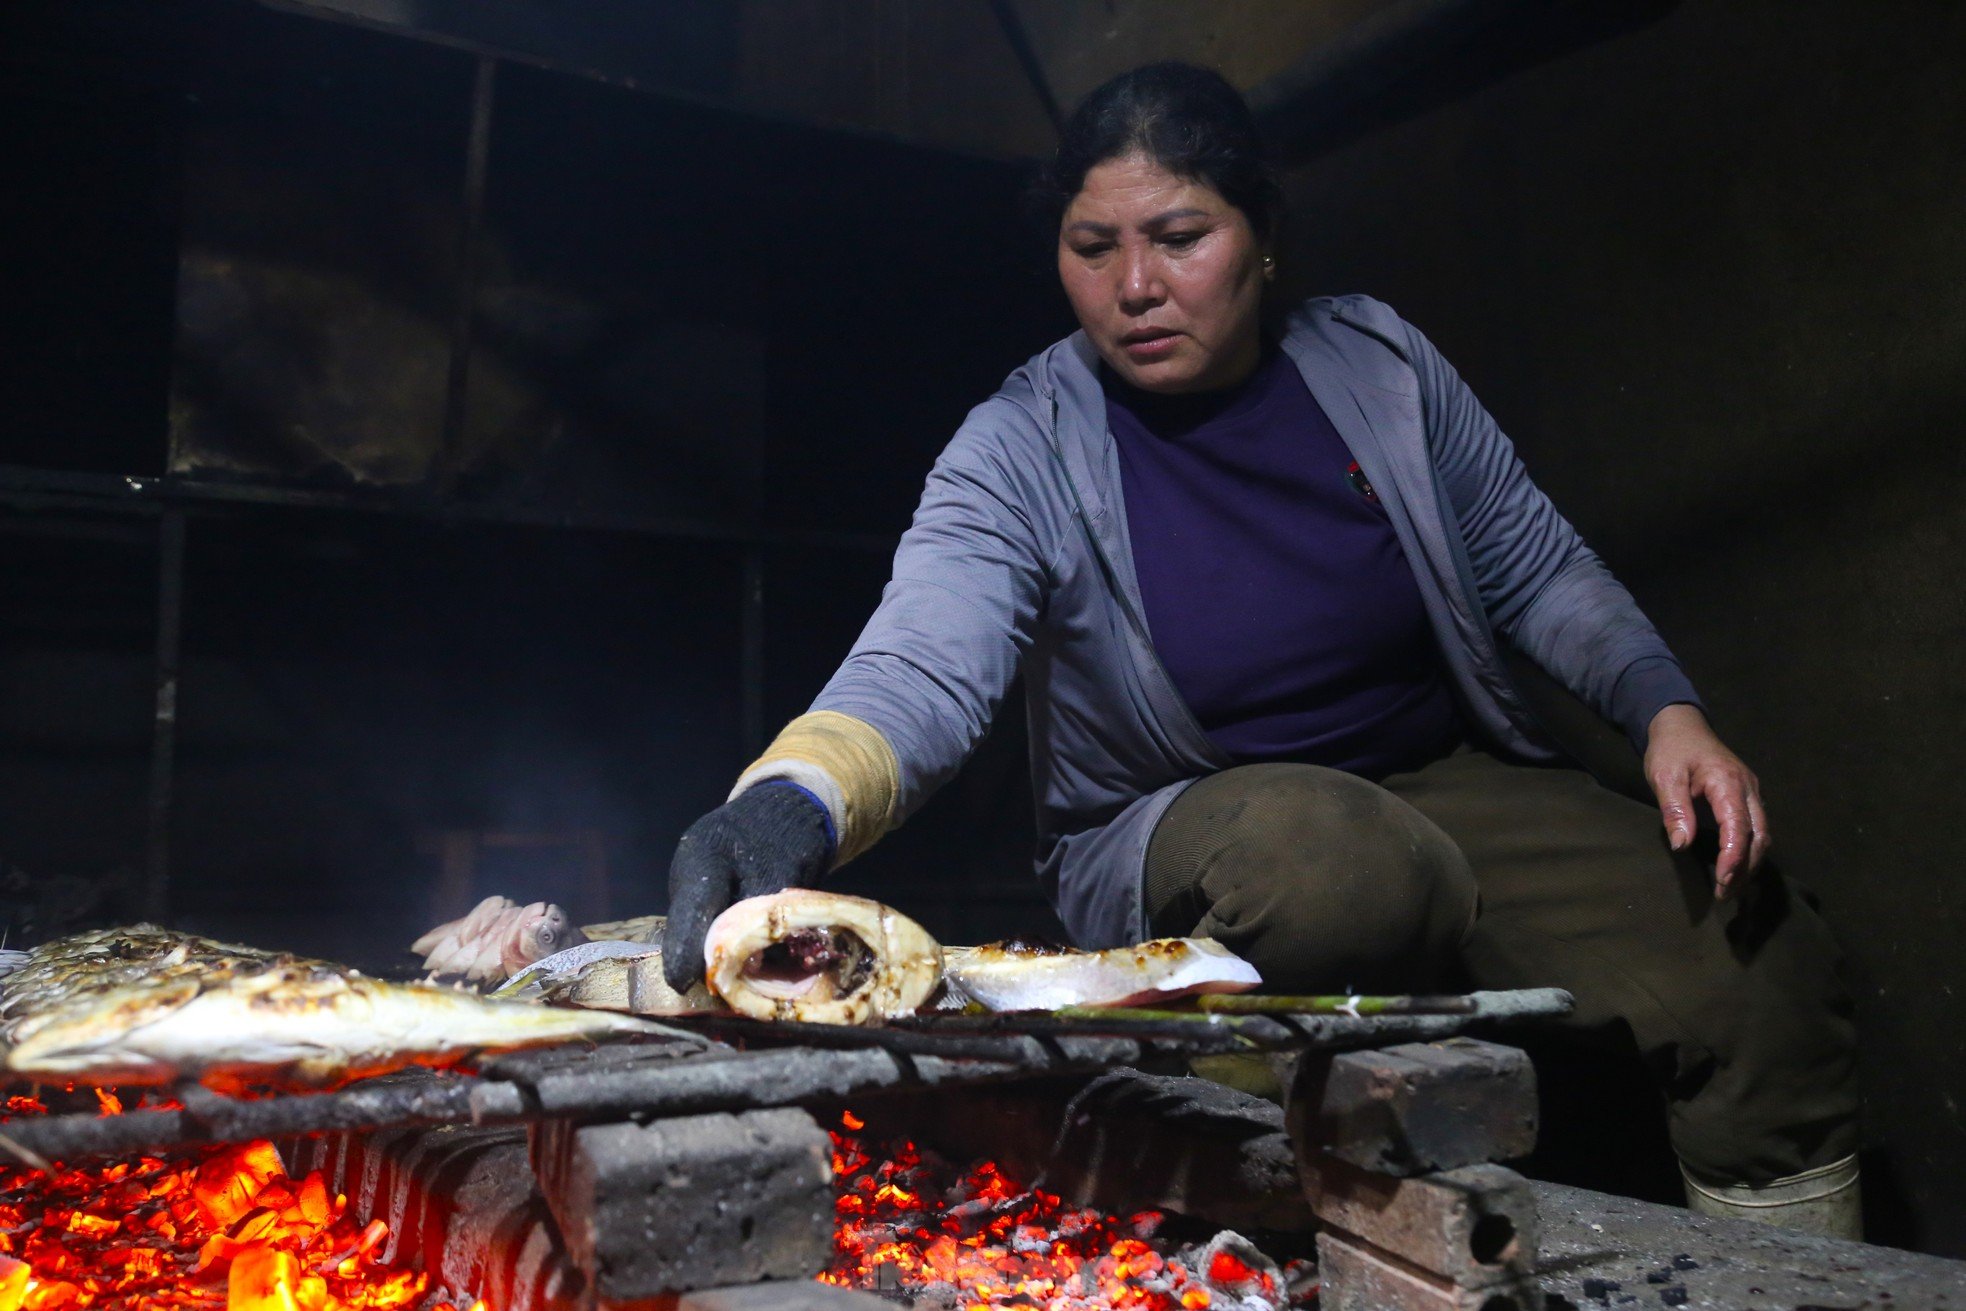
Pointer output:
821, 957
144, 1005
1017, 976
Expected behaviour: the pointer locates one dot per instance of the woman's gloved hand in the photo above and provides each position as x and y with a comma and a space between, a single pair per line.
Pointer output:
766, 839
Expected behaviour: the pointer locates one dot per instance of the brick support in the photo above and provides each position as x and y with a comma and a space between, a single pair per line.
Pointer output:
690, 1202
1415, 1108
1354, 1276
1475, 1226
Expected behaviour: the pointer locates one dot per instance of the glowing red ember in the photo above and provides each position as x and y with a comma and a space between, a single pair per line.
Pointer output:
210, 1229
975, 1239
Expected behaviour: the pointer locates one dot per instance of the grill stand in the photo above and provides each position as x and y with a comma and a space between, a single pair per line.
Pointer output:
1396, 1151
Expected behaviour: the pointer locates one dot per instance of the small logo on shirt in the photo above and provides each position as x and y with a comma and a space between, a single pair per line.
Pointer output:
1360, 483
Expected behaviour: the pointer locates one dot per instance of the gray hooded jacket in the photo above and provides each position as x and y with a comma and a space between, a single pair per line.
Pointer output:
1018, 558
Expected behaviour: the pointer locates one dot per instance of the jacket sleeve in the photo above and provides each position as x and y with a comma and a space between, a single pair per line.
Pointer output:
935, 661
1545, 591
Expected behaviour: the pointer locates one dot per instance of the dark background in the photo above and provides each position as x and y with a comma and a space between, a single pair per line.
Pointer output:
1710, 272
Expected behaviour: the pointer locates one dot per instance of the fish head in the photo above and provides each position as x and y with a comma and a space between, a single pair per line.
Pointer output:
541, 930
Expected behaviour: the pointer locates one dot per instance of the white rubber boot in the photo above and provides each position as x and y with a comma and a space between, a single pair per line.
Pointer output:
1827, 1200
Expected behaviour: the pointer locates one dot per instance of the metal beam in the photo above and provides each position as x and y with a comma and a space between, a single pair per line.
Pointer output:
163, 733
37, 490
1027, 59
457, 385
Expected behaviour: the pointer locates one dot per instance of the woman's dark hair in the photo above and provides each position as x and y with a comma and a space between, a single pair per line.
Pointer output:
1188, 120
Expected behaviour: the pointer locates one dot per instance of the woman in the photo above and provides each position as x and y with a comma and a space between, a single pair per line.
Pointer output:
1261, 584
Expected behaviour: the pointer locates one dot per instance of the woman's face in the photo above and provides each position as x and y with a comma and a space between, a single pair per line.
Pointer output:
1166, 277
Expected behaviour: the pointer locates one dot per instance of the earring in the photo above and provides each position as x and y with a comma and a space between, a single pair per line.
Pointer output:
1269, 266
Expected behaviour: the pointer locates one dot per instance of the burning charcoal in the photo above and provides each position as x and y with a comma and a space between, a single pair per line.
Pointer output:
984, 1240
1232, 1264
229, 1215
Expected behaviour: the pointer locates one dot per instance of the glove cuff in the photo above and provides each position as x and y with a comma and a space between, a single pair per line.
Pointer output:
846, 765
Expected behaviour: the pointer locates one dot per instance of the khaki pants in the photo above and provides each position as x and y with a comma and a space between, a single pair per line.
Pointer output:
1327, 882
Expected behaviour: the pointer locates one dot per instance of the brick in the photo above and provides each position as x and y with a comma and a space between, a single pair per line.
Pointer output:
802, 1295
1415, 1108
1474, 1226
689, 1202
1354, 1276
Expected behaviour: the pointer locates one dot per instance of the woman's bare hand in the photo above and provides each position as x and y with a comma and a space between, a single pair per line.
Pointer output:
1684, 760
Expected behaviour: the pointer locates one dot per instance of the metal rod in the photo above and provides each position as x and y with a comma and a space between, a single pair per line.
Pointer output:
163, 733
719, 1081
457, 397
1027, 59
1336, 1029
1512, 1004
93, 493
967, 1037
1246, 1004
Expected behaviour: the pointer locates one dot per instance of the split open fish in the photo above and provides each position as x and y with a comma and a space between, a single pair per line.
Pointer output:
821, 957
1020, 976
145, 1005
495, 938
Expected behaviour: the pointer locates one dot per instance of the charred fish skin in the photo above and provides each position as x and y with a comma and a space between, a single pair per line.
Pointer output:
876, 962
235, 1016
70, 974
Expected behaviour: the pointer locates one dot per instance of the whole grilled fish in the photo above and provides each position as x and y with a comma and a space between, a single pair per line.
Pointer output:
497, 937
145, 1005
1019, 976
822, 957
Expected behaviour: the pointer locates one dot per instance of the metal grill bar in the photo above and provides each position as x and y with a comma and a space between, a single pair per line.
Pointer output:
611, 1082
787, 1064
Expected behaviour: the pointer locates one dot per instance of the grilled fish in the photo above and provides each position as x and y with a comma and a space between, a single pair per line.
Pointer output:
562, 965
642, 928
631, 983
1020, 976
821, 957
146, 1006
497, 937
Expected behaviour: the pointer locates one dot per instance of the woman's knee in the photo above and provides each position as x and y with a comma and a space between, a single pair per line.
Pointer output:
1323, 879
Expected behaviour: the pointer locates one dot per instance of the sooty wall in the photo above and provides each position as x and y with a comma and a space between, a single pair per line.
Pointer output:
1711, 276
235, 239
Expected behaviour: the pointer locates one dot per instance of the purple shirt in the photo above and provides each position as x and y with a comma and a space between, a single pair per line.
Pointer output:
1275, 589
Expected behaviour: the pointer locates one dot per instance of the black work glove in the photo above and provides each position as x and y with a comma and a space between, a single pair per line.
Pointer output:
766, 839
